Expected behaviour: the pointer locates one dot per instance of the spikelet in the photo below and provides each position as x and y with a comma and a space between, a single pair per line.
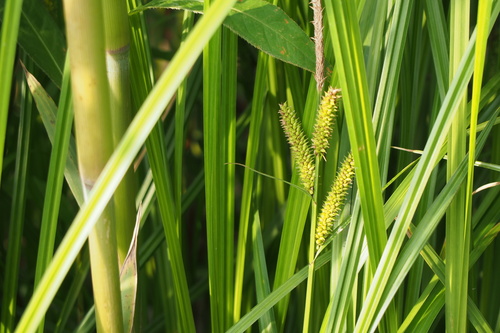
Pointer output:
334, 201
299, 145
324, 121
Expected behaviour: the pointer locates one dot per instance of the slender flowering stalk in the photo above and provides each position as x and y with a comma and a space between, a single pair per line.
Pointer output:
319, 75
324, 121
334, 201
299, 145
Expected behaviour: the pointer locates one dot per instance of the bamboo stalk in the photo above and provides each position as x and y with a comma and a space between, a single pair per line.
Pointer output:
118, 68
94, 141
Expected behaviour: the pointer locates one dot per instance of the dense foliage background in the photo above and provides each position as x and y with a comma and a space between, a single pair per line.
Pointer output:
221, 245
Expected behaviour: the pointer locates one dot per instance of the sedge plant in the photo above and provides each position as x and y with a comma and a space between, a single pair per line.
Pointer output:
108, 107
307, 155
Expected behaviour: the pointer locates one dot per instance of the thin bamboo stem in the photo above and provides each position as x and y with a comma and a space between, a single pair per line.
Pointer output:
94, 141
117, 32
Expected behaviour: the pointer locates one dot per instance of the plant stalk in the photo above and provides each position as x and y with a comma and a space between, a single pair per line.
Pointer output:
94, 141
117, 32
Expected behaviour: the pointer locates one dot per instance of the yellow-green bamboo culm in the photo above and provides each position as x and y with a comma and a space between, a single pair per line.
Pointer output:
94, 141
117, 32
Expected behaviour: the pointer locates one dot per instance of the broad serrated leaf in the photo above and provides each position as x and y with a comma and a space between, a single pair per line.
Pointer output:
263, 25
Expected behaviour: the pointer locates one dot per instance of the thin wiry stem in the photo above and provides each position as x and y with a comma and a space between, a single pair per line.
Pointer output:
319, 75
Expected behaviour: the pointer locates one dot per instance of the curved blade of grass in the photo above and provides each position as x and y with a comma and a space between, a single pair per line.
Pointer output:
438, 38
298, 205
264, 25
349, 57
214, 130
42, 39
483, 22
48, 110
375, 19
425, 310
228, 108
438, 267
274, 297
55, 178
337, 311
411, 250
248, 180
267, 322
180, 116
119, 163
385, 105
8, 40
16, 223
458, 228
426, 227
141, 84
391, 210
422, 174
355, 257
82, 268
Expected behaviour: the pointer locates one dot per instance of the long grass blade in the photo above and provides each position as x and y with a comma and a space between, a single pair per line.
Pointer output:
55, 179
10, 283
422, 174
8, 39
352, 77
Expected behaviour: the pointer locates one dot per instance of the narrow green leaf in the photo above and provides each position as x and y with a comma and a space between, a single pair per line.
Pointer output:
458, 227
425, 310
283, 290
438, 39
248, 180
169, 217
352, 77
82, 268
41, 38
298, 204
265, 26
55, 178
267, 322
8, 40
47, 109
424, 169
16, 225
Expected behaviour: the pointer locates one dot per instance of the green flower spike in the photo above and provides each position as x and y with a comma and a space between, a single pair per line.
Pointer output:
324, 121
334, 201
299, 145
